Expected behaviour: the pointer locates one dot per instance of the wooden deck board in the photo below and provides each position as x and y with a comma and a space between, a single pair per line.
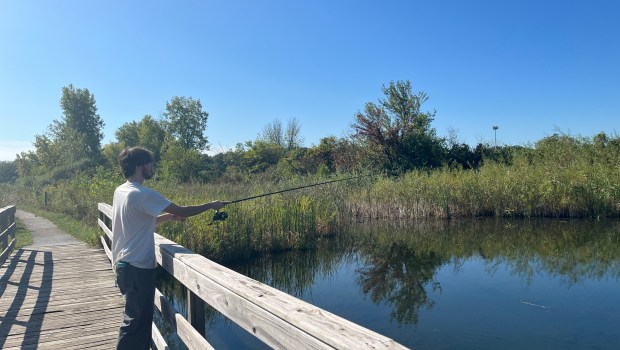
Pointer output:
59, 297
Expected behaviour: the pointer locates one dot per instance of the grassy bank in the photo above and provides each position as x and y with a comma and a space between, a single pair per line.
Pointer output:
518, 190
561, 177
22, 235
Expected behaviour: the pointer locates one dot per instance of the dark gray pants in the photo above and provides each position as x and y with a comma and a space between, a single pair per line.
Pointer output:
138, 288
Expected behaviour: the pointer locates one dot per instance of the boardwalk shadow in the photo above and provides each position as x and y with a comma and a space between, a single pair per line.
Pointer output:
20, 318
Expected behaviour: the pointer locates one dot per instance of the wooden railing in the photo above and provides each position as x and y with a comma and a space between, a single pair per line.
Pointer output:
276, 318
7, 232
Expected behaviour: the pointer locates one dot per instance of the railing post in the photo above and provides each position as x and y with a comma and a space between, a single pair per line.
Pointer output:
196, 312
7, 232
4, 224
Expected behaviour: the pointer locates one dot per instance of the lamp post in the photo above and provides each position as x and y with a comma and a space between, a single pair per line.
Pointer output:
495, 127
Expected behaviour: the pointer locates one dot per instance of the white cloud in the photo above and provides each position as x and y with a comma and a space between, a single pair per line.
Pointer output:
10, 149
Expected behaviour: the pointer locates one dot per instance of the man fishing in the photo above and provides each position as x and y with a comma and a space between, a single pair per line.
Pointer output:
136, 211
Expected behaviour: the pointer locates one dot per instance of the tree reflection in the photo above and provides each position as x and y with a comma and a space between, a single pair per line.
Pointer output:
400, 261
400, 276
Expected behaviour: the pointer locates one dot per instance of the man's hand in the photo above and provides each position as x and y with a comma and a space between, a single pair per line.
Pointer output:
217, 205
178, 217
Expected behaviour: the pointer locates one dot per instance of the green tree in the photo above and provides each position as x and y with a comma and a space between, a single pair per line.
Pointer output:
273, 133
397, 134
71, 144
462, 156
186, 122
179, 163
262, 155
48, 152
151, 135
322, 156
292, 136
27, 164
80, 123
292, 163
232, 164
148, 133
289, 137
127, 134
8, 172
111, 152
215, 166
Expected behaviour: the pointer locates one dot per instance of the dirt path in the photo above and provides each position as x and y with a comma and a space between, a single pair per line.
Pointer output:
44, 232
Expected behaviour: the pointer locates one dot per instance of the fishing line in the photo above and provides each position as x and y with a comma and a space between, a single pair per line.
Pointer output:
221, 216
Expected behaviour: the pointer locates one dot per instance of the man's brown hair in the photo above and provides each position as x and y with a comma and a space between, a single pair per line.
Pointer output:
130, 158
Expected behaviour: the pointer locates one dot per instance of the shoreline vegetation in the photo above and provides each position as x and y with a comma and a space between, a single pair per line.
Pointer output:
567, 178
422, 176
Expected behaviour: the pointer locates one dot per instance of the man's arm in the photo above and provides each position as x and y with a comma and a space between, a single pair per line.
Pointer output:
168, 217
191, 210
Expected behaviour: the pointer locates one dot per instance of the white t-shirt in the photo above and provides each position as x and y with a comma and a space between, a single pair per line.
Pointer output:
134, 211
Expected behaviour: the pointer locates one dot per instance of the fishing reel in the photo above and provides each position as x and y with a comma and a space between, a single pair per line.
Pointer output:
219, 216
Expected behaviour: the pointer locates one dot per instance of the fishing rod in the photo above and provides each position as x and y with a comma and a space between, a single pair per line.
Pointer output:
221, 215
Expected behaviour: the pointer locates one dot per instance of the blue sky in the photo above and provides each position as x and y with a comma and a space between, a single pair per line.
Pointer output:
529, 67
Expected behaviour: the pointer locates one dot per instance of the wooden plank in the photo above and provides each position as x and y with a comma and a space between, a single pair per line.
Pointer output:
79, 342
70, 270
280, 310
7, 214
66, 300
196, 312
33, 304
7, 231
157, 338
60, 333
254, 319
8, 250
107, 250
8, 228
105, 229
188, 334
105, 209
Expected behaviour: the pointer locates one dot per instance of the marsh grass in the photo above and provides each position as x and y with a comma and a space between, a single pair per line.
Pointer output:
291, 220
559, 177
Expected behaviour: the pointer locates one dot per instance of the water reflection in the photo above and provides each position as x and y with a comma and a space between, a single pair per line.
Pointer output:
397, 265
400, 261
400, 276
574, 250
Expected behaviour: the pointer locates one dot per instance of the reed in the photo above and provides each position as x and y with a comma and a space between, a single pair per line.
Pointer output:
292, 220
565, 178
561, 176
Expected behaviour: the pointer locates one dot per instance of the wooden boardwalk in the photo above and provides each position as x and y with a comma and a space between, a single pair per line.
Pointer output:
59, 297
60, 294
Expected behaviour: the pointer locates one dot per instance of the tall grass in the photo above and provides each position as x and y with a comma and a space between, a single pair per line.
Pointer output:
292, 220
560, 176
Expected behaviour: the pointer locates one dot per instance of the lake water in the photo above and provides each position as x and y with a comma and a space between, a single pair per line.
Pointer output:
470, 284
